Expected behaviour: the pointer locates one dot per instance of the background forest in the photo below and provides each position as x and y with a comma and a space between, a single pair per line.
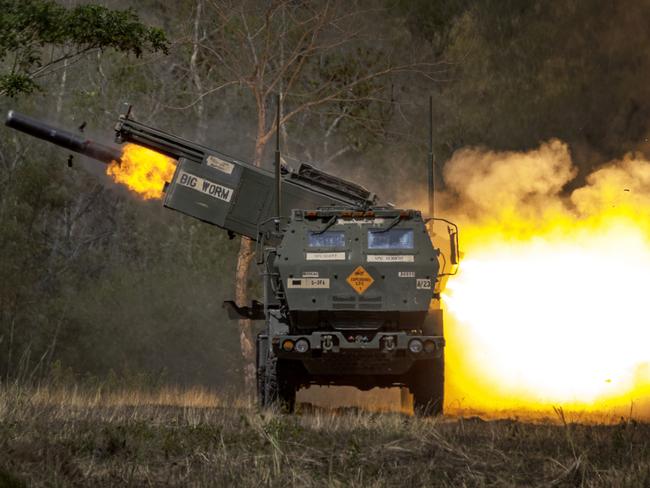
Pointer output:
97, 284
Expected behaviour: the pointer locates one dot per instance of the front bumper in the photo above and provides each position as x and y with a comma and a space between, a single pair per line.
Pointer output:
333, 353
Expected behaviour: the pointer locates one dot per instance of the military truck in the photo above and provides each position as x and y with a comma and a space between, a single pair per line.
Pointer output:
350, 284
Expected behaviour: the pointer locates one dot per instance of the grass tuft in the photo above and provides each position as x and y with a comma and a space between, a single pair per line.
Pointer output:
181, 437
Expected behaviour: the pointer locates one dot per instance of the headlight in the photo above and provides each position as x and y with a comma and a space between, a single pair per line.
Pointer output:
429, 346
287, 345
302, 345
415, 346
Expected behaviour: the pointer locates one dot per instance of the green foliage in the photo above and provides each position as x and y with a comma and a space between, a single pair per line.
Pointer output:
526, 71
9, 480
432, 19
13, 84
100, 283
157, 305
96, 26
38, 34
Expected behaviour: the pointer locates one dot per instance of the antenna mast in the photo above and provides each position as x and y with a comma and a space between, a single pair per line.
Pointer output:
278, 183
430, 162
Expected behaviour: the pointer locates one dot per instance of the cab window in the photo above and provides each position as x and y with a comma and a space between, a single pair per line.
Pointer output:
327, 239
391, 239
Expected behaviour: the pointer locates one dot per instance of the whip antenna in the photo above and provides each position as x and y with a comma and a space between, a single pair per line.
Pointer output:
278, 183
430, 162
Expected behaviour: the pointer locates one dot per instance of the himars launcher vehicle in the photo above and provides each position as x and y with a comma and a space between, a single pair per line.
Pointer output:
351, 285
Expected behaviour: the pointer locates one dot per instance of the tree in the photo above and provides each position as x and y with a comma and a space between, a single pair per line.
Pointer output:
40, 37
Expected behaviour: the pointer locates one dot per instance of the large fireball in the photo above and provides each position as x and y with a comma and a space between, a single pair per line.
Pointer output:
551, 305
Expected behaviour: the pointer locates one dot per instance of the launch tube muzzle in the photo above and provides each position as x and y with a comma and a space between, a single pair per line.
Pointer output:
63, 138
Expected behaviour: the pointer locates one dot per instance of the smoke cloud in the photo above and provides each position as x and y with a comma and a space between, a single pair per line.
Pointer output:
488, 182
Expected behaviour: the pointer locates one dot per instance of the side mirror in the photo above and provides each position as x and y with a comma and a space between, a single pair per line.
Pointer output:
453, 246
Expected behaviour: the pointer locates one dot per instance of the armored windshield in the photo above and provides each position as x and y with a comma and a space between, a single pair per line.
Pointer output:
327, 239
391, 239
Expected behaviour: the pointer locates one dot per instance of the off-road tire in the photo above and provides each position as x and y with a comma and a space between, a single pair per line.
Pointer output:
279, 386
427, 384
261, 388
260, 369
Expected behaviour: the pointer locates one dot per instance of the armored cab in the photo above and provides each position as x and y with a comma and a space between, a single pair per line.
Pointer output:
356, 289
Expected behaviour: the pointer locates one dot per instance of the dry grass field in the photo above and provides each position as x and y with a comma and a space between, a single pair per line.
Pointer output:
66, 437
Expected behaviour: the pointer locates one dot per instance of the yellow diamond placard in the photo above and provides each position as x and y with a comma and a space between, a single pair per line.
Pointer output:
360, 280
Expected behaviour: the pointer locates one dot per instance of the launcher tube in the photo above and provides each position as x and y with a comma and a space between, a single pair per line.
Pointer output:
60, 137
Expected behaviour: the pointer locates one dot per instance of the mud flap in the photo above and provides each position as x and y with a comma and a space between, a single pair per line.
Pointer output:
433, 323
235, 312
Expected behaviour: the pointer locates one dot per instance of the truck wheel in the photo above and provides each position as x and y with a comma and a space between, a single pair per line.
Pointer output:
279, 387
261, 387
427, 384
260, 370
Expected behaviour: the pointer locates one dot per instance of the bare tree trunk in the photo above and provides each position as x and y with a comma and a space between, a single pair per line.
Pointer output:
246, 338
64, 78
244, 260
196, 78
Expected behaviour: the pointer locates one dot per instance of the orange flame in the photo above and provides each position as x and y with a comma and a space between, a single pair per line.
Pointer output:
142, 170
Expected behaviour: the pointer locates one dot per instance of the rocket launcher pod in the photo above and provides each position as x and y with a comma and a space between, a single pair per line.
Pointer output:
209, 185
